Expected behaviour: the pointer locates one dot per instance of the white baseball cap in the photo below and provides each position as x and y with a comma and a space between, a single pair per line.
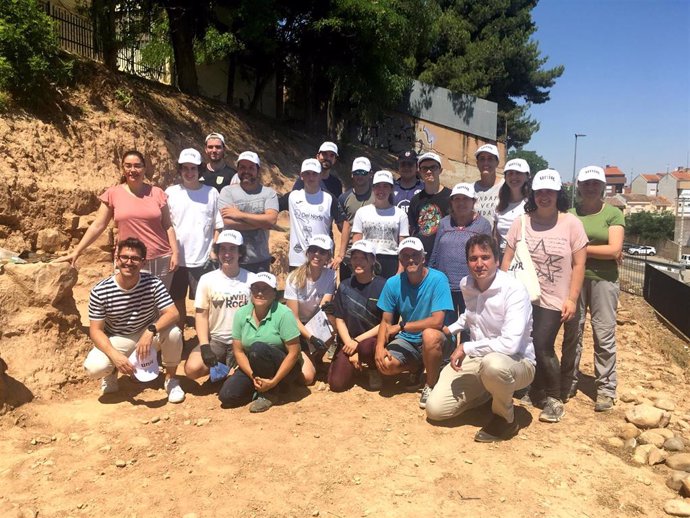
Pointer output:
266, 277
189, 156
145, 369
361, 163
232, 237
591, 172
251, 156
215, 135
321, 241
488, 148
429, 156
517, 164
383, 177
411, 242
329, 146
547, 179
311, 164
466, 189
365, 246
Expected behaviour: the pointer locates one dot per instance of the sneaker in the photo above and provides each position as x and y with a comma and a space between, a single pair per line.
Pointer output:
374, 379
414, 381
262, 403
604, 403
498, 429
331, 350
425, 396
568, 394
175, 392
553, 410
536, 401
109, 384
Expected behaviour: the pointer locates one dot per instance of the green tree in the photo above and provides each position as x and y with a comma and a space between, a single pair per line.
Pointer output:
650, 226
536, 161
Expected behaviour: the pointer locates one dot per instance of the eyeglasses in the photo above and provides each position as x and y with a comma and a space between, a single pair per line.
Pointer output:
432, 168
127, 167
260, 289
130, 259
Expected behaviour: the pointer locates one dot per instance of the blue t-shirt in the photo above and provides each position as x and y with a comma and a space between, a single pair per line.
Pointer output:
414, 303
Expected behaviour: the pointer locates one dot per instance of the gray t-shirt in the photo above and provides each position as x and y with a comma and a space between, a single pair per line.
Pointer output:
256, 240
487, 200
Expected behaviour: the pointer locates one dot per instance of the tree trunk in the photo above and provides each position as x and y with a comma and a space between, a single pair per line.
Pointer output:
105, 39
182, 23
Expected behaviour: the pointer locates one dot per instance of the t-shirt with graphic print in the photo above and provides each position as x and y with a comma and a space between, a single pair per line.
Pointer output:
487, 200
383, 227
425, 215
403, 196
310, 214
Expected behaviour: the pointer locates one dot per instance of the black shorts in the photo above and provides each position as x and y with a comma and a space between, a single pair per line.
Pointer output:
187, 278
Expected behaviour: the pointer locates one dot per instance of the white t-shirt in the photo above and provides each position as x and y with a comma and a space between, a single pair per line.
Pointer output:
310, 214
503, 220
383, 227
486, 200
222, 296
195, 216
310, 297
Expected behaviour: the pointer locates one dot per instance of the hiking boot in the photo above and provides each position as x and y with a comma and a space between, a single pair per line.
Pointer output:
425, 396
262, 403
109, 384
414, 381
604, 403
498, 429
553, 410
374, 379
175, 392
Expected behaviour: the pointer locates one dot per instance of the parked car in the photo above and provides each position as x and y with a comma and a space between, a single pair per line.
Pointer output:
642, 250
685, 259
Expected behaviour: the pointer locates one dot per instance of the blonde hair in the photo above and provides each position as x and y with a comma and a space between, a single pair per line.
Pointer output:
299, 276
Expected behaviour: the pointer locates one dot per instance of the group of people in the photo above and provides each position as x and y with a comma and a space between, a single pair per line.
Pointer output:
418, 288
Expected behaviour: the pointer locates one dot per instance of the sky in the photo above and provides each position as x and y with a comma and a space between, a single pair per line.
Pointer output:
626, 84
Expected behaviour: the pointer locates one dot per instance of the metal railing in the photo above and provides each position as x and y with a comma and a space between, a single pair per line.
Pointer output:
669, 297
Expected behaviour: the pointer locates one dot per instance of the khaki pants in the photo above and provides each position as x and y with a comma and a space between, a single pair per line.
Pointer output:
494, 376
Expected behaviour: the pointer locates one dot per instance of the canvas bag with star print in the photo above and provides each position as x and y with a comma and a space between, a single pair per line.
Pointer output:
522, 267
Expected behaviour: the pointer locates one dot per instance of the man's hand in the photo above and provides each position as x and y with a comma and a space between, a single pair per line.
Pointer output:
144, 345
354, 360
122, 364
457, 357
231, 212
336, 262
350, 347
380, 356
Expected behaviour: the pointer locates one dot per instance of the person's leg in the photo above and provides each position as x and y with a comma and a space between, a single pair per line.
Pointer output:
98, 365
160, 267
169, 343
456, 391
195, 368
265, 361
501, 376
402, 357
178, 292
603, 305
433, 347
571, 352
341, 373
237, 390
548, 373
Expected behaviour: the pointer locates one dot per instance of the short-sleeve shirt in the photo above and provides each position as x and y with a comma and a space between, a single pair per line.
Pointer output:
219, 178
195, 216
425, 214
597, 230
257, 202
504, 219
331, 185
126, 312
350, 202
140, 217
487, 199
222, 296
309, 297
277, 327
552, 254
403, 196
383, 227
356, 304
310, 214
418, 302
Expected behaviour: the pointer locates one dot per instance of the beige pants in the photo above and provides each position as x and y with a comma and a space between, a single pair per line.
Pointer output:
494, 376
169, 342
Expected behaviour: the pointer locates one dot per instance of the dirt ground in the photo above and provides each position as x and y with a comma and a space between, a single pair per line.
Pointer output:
357, 453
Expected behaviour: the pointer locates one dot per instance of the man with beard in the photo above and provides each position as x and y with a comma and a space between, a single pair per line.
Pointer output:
252, 209
216, 173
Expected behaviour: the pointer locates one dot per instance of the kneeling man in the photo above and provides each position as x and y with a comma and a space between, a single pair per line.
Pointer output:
130, 311
499, 358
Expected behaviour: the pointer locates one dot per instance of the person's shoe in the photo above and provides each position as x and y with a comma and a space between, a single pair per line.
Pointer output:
175, 392
374, 379
414, 381
498, 429
568, 394
331, 350
109, 384
553, 410
425, 396
604, 403
534, 400
262, 403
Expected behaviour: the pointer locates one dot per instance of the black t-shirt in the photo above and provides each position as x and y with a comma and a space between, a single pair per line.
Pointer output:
331, 184
425, 214
219, 178
356, 304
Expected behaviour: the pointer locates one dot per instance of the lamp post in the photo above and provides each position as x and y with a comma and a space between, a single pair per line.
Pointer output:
680, 210
572, 194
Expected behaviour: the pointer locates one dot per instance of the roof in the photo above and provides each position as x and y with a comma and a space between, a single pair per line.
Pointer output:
637, 198
681, 175
651, 178
615, 201
661, 201
612, 170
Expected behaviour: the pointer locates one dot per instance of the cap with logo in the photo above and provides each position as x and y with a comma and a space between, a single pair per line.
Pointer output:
232, 237
311, 164
266, 277
591, 172
547, 179
517, 164
361, 163
329, 146
189, 156
429, 156
411, 242
215, 135
466, 189
383, 177
145, 369
488, 148
251, 156
407, 156
365, 246
321, 241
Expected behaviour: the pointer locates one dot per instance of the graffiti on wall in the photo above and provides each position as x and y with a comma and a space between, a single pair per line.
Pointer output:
396, 133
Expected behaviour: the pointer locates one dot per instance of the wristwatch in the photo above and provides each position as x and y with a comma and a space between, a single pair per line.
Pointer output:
402, 326
153, 329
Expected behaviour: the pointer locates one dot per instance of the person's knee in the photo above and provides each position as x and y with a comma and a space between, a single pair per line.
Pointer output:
340, 383
432, 341
195, 368
495, 368
258, 350
308, 374
230, 396
96, 367
434, 409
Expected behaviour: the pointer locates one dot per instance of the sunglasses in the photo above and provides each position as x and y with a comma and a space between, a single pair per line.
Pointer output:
360, 172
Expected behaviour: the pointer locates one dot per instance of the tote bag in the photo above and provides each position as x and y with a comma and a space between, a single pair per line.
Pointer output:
522, 266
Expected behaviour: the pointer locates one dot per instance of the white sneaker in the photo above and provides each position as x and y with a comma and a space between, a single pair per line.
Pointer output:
426, 392
175, 392
109, 384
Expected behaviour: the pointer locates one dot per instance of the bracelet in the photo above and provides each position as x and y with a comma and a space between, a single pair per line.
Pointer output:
356, 341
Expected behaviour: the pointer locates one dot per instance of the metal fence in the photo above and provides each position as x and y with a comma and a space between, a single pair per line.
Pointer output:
669, 297
74, 32
631, 273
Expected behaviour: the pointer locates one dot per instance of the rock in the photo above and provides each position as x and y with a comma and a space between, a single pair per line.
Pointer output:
674, 444
190, 515
27, 512
649, 437
42, 284
641, 455
120, 463
155, 419
644, 416
665, 419
616, 442
630, 444
677, 507
664, 432
628, 397
656, 456
685, 486
202, 422
628, 431
658, 385
680, 461
51, 240
675, 479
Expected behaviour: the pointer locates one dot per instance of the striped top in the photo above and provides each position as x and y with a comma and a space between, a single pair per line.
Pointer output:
128, 311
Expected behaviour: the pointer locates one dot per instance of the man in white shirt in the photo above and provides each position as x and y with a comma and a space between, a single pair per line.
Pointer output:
487, 186
499, 357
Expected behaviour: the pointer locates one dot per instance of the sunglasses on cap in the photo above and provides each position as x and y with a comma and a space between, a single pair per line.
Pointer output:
360, 172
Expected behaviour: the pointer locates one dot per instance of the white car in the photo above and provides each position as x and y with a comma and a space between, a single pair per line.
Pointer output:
642, 250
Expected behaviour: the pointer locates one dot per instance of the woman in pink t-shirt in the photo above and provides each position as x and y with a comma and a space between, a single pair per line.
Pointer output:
139, 210
558, 247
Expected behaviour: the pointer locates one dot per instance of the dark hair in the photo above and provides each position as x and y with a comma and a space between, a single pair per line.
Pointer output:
132, 242
562, 202
139, 155
504, 194
242, 250
484, 241
198, 170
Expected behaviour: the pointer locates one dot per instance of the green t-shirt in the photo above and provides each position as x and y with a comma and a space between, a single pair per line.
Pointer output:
597, 229
277, 327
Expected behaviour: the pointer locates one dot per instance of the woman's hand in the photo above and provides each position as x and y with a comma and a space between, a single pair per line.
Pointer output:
69, 258
350, 347
263, 384
174, 263
568, 311
354, 360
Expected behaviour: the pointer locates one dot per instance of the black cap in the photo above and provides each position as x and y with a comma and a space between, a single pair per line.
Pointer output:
407, 156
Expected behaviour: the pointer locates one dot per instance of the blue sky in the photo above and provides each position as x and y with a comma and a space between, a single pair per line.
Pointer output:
626, 84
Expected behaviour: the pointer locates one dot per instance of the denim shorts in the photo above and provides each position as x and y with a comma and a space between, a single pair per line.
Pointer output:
407, 353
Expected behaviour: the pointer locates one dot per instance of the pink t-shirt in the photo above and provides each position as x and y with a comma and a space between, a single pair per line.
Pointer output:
552, 254
140, 217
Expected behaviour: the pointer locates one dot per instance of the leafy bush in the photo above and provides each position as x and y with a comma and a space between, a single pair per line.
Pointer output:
649, 226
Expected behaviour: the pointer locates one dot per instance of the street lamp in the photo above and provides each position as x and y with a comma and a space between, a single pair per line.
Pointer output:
572, 194
680, 210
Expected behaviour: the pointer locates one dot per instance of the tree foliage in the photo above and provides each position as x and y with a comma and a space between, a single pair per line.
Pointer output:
536, 161
650, 226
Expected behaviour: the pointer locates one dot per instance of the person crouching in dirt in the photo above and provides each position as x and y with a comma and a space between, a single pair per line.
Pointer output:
499, 357
131, 310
